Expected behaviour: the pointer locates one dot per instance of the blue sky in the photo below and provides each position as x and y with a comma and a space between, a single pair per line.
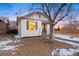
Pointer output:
10, 9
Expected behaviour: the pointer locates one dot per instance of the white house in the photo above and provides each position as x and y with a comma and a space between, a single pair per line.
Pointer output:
32, 24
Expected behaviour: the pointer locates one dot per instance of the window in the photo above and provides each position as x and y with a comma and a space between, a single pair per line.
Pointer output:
31, 25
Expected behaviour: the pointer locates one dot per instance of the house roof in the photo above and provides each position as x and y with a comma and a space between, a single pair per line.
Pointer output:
34, 12
4, 19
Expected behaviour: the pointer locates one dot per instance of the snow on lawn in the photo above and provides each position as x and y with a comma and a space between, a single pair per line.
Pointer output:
5, 42
4, 46
66, 37
64, 52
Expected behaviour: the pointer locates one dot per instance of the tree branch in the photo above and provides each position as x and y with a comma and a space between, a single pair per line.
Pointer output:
40, 9
58, 11
64, 15
48, 11
43, 6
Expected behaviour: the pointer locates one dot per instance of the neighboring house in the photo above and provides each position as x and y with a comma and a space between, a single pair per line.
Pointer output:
3, 27
33, 24
12, 25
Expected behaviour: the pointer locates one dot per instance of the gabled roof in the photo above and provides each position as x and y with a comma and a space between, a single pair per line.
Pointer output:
34, 12
4, 19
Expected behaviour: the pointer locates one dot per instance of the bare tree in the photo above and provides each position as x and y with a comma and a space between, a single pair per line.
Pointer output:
19, 12
73, 23
55, 13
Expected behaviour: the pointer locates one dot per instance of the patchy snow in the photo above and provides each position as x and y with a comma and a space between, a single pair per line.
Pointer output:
7, 47
69, 40
64, 52
17, 40
5, 42
4, 46
67, 37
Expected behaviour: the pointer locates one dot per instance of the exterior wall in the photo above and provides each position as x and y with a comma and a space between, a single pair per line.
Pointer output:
48, 29
37, 16
3, 28
30, 33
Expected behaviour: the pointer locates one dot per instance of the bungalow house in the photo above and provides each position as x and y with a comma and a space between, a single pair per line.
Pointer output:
33, 24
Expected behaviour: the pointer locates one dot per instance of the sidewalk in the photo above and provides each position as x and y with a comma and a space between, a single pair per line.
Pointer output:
74, 41
67, 37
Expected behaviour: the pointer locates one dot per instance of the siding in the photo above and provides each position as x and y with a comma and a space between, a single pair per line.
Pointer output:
29, 33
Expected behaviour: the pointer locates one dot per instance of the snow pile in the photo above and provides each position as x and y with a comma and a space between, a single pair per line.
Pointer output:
4, 46
66, 37
64, 52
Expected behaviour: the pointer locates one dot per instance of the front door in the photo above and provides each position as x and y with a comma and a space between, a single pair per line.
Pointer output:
44, 31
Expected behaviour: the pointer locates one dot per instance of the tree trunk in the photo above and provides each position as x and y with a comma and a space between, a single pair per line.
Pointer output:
51, 32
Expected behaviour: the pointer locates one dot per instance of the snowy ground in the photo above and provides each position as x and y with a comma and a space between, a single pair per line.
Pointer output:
67, 37
7, 44
65, 52
72, 40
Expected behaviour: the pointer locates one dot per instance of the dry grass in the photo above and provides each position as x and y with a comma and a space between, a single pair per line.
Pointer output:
63, 31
